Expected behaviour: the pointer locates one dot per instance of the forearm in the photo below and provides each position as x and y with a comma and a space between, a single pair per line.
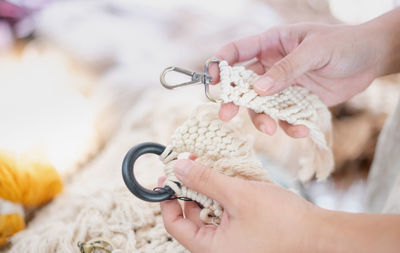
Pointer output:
385, 34
348, 232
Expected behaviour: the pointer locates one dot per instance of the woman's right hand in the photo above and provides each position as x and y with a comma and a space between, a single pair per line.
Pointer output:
334, 62
264, 217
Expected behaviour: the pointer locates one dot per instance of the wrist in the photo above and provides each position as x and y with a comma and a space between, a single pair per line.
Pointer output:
328, 232
336, 232
357, 232
322, 229
383, 34
316, 233
343, 232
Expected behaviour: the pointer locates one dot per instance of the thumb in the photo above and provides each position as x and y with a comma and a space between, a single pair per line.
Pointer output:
284, 72
206, 181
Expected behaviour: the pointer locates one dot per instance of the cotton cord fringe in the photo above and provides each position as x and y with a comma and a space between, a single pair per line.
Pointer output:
218, 145
295, 105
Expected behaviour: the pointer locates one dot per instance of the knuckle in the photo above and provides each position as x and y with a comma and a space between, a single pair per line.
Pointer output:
167, 226
200, 247
203, 176
247, 197
259, 120
284, 67
239, 194
237, 201
275, 31
313, 39
272, 30
226, 51
306, 25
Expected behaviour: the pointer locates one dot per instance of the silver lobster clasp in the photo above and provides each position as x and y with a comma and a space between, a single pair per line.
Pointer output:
196, 78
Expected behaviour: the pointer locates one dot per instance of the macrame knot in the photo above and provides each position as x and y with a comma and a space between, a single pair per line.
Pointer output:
295, 105
219, 146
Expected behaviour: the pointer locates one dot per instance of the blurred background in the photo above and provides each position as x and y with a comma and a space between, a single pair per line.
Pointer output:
73, 72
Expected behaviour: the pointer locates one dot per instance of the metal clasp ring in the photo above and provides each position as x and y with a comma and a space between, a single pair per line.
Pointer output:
197, 78
161, 194
96, 244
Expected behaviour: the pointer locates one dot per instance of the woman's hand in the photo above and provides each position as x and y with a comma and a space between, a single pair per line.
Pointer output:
263, 217
334, 62
258, 217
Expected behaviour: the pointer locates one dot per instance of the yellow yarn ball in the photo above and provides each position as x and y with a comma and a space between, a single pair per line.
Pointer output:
28, 182
9, 225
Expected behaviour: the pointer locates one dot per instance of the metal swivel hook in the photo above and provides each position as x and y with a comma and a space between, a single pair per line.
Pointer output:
197, 78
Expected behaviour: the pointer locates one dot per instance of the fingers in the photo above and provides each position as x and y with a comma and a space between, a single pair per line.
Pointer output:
191, 209
161, 181
228, 111
206, 181
236, 51
192, 212
213, 70
295, 131
284, 73
241, 50
267, 125
193, 157
184, 230
257, 67
263, 122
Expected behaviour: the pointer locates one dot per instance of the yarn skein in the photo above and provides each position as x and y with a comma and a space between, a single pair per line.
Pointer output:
11, 220
27, 182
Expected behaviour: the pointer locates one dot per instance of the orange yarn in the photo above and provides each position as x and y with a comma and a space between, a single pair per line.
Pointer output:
28, 182
9, 225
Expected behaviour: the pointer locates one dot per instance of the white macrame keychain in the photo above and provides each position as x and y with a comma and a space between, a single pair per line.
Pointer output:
220, 145
295, 105
217, 145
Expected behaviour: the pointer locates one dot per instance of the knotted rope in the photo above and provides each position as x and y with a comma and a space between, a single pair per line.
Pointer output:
295, 105
220, 146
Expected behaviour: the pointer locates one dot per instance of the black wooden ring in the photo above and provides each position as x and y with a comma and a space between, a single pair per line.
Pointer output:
139, 191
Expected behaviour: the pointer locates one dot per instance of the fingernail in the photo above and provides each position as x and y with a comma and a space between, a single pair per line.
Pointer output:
182, 167
271, 129
161, 181
264, 84
263, 128
226, 115
267, 129
300, 132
